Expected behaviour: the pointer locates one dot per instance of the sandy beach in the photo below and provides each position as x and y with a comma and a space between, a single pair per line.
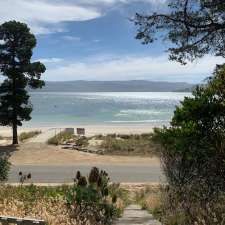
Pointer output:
90, 130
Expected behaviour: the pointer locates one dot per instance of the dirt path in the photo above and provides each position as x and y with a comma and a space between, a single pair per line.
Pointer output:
43, 154
45, 135
133, 215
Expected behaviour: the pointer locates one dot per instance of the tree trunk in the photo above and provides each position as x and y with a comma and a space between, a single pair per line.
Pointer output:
15, 136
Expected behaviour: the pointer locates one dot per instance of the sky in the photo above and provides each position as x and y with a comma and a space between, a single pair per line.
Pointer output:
95, 40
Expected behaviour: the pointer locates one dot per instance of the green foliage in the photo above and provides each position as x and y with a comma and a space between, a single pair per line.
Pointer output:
193, 149
16, 48
128, 144
194, 27
48, 202
82, 141
32, 193
175, 210
27, 135
4, 169
60, 138
91, 200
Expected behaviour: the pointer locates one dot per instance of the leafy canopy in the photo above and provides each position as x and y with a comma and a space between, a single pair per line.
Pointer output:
193, 147
194, 27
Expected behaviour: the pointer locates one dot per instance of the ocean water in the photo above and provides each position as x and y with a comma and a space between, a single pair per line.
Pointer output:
66, 109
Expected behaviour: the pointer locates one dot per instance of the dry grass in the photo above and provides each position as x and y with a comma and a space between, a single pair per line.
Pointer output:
166, 207
135, 145
46, 203
151, 198
53, 211
27, 135
60, 138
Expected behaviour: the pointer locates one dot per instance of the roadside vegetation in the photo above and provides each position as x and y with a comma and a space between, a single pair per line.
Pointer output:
111, 144
4, 169
151, 198
65, 137
193, 157
135, 145
91, 200
27, 135
61, 138
192, 149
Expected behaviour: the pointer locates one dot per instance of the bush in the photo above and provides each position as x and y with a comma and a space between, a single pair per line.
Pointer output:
90, 199
151, 199
192, 149
27, 135
60, 138
82, 142
4, 169
128, 145
47, 203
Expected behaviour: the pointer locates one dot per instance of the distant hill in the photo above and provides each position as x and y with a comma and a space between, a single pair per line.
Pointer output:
115, 86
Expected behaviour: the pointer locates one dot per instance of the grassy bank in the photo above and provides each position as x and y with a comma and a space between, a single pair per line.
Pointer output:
112, 144
165, 205
67, 137
60, 138
47, 203
27, 135
127, 144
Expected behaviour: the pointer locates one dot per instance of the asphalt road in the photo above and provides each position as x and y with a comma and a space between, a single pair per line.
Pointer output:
65, 174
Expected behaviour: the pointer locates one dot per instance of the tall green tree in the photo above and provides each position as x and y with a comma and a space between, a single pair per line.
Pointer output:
194, 27
16, 46
192, 152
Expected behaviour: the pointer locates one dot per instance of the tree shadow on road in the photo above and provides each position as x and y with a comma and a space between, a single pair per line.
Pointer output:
6, 151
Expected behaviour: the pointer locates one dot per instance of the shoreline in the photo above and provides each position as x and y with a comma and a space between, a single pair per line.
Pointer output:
91, 129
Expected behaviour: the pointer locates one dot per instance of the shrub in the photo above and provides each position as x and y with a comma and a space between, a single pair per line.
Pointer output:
192, 149
151, 199
49, 203
82, 141
27, 135
4, 169
90, 198
60, 138
128, 145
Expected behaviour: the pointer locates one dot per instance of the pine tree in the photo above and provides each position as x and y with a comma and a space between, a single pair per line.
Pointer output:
16, 45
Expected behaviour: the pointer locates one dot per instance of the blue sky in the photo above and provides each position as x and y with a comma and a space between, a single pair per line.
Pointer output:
94, 40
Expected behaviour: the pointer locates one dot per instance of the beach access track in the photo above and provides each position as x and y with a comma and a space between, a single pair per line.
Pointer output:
45, 135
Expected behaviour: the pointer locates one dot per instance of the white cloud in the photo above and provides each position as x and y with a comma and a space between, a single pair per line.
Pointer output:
127, 68
111, 2
96, 40
71, 38
50, 60
44, 16
40, 13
